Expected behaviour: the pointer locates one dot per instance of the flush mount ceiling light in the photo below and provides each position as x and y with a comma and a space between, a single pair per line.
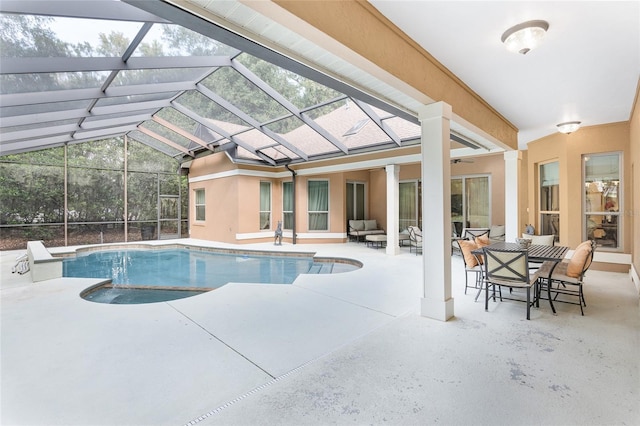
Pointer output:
568, 127
524, 37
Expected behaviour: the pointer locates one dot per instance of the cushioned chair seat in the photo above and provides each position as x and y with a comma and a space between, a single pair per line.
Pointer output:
559, 273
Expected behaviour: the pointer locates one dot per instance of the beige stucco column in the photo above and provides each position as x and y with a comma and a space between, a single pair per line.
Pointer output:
393, 208
512, 195
435, 120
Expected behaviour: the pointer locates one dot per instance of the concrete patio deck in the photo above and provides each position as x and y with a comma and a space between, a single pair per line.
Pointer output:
345, 348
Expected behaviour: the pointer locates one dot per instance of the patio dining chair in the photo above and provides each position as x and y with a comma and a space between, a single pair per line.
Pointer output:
473, 233
472, 264
507, 268
415, 239
538, 240
568, 276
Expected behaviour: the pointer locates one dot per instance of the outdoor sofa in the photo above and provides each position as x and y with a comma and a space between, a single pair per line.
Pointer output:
359, 229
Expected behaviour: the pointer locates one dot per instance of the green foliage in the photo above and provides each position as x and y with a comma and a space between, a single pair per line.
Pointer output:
32, 188
31, 193
114, 44
177, 119
95, 195
29, 36
142, 158
104, 153
184, 42
51, 157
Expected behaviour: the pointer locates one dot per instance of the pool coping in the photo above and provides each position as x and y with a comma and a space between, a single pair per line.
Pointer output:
222, 250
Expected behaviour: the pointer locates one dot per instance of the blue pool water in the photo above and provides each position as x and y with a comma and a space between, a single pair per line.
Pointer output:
191, 270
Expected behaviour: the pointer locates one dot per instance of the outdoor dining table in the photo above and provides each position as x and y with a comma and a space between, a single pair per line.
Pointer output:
536, 253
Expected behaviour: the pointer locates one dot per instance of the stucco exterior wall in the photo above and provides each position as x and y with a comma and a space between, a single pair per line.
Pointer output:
568, 151
220, 224
378, 196
492, 165
233, 196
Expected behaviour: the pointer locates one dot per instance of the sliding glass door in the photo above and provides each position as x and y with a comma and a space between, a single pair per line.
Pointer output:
410, 210
470, 202
355, 201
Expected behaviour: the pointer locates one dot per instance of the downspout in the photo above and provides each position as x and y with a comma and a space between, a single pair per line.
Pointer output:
293, 221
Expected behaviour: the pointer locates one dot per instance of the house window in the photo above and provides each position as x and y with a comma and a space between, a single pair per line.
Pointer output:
265, 205
410, 209
470, 202
200, 204
550, 199
318, 205
602, 198
287, 205
355, 201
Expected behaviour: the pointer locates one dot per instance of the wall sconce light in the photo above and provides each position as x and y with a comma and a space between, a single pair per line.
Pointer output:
524, 37
568, 127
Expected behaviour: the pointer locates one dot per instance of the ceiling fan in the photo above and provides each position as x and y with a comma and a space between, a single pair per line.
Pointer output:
461, 160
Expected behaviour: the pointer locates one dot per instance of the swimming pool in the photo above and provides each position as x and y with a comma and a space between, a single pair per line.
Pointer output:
182, 271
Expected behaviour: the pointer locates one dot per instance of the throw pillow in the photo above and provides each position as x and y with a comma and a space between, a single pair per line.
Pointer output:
496, 231
574, 268
370, 225
483, 240
466, 247
357, 225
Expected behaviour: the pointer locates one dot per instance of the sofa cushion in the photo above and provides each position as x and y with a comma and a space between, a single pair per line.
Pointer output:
356, 225
370, 225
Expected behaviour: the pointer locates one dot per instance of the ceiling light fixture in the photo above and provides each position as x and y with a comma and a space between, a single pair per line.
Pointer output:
524, 37
568, 127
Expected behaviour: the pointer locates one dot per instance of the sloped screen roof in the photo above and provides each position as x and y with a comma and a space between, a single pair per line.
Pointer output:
77, 71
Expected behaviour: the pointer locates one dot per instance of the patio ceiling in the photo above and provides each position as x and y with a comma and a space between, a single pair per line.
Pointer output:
78, 71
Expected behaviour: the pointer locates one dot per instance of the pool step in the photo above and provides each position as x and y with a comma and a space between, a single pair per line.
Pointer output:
321, 268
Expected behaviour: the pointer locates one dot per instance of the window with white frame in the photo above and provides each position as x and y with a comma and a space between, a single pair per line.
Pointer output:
318, 205
200, 204
602, 198
287, 205
265, 205
549, 206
